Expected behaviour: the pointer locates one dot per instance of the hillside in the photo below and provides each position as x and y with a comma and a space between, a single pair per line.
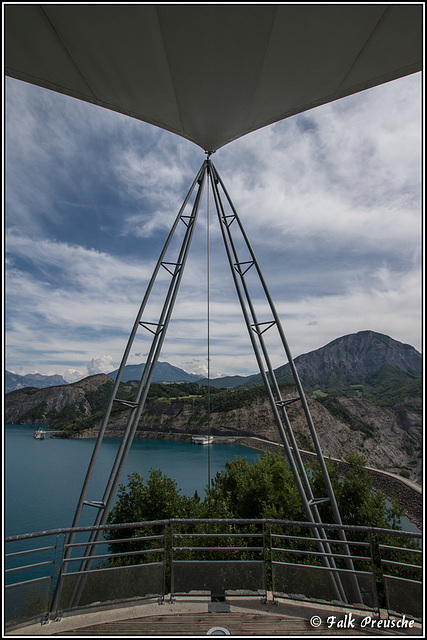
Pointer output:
364, 392
43, 406
389, 439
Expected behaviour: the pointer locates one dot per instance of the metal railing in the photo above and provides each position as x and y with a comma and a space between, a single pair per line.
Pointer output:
217, 558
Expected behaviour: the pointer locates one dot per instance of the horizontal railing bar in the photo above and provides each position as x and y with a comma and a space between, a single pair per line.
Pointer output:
135, 525
218, 548
219, 562
127, 566
101, 527
401, 564
21, 553
161, 536
87, 544
403, 549
259, 521
328, 540
386, 575
322, 554
345, 527
116, 555
219, 535
19, 584
30, 566
322, 568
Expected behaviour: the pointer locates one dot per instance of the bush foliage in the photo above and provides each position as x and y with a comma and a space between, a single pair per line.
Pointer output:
262, 489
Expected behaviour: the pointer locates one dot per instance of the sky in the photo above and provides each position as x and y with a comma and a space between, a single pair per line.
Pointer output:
330, 200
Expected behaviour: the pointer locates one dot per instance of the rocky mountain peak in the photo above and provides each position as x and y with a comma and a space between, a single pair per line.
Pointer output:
351, 359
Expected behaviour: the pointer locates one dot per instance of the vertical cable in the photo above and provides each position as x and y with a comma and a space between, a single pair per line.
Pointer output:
208, 322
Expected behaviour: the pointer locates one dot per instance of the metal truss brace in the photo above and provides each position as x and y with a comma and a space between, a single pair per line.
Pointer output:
284, 403
266, 326
238, 267
148, 325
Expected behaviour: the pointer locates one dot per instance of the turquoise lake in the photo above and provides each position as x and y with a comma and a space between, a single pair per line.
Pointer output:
43, 478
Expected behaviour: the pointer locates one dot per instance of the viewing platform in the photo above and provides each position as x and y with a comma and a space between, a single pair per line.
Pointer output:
239, 616
187, 577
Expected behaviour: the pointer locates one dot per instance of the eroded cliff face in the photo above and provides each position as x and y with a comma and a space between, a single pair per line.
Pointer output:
31, 406
388, 439
22, 409
395, 444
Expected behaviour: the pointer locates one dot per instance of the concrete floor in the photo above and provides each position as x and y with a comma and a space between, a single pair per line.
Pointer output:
241, 616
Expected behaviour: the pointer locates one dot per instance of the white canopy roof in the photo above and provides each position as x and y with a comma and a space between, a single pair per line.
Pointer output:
211, 73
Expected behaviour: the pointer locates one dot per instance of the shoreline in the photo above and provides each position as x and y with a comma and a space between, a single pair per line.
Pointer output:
407, 493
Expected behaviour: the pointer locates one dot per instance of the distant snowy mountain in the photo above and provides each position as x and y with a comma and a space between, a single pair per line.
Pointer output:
14, 381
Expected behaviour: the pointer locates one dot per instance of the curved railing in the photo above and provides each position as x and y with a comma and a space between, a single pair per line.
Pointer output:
170, 558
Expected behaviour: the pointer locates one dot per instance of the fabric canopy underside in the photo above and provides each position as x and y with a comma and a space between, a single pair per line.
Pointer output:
211, 73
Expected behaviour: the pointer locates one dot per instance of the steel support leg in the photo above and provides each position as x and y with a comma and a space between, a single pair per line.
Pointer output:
158, 329
239, 269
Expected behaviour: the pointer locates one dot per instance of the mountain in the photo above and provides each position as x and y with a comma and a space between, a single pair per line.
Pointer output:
351, 359
14, 381
164, 372
228, 382
365, 364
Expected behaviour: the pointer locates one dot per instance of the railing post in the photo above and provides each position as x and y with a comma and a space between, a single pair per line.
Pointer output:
53, 612
162, 599
376, 581
264, 552
171, 598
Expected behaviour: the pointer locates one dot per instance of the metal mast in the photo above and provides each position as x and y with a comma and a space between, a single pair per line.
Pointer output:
257, 327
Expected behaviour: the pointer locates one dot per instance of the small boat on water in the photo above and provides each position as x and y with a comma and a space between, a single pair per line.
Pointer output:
202, 439
40, 434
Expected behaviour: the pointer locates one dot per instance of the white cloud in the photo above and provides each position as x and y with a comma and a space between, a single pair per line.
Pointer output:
101, 364
73, 375
352, 176
330, 201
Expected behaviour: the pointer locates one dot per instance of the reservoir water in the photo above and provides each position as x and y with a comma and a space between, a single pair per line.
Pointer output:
43, 478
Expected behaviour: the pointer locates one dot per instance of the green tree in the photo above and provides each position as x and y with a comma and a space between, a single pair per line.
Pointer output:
157, 499
358, 503
264, 489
